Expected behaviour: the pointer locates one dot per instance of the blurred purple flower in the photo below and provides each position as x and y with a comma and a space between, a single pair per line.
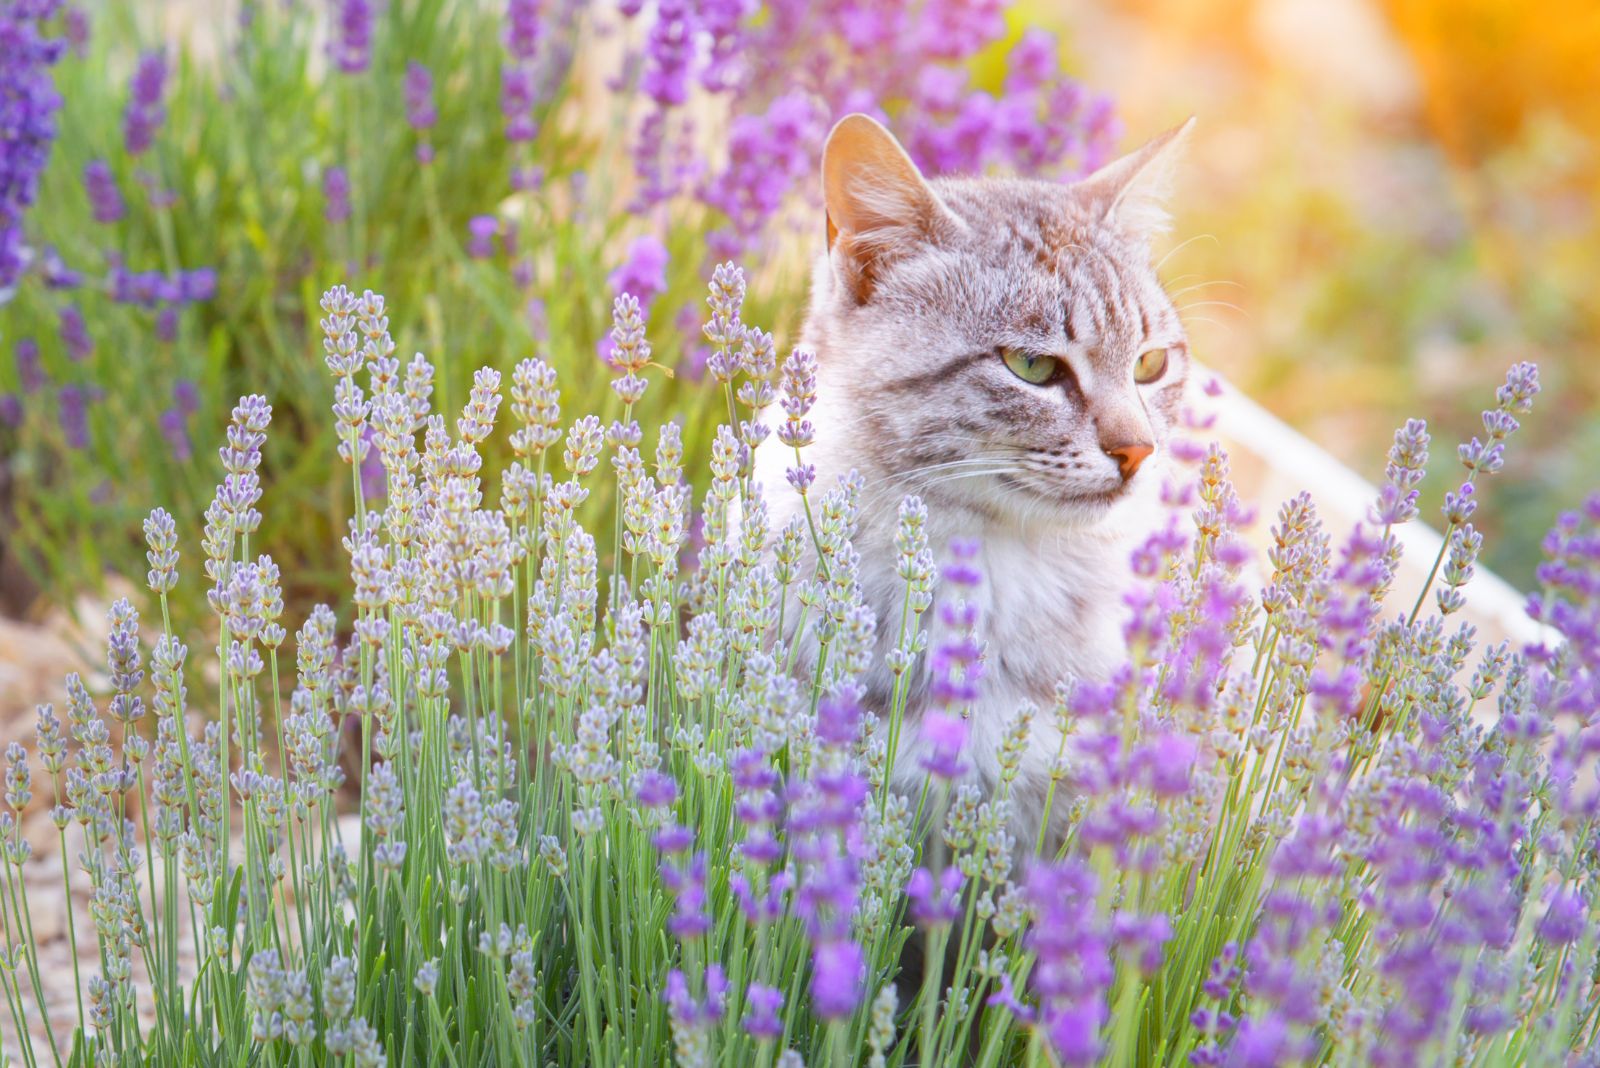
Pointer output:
516, 102
945, 736
761, 1019
1167, 762
335, 195
28, 106
186, 396
167, 323
481, 231
374, 479
522, 28
720, 22
75, 334
197, 285
74, 412
420, 112
145, 111
769, 155
691, 916
674, 838
30, 372
57, 275
1260, 1043
839, 720
173, 428
668, 51
1565, 920
935, 900
10, 409
350, 41
655, 789
643, 273
1072, 968
838, 973
76, 24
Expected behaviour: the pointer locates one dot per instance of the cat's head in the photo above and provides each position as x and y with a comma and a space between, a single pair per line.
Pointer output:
1004, 343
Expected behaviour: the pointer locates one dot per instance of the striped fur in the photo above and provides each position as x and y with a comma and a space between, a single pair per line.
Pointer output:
910, 379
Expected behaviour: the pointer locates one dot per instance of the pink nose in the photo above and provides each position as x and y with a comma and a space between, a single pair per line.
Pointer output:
1130, 456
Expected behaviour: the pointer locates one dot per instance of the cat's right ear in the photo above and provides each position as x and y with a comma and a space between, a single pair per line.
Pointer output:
879, 206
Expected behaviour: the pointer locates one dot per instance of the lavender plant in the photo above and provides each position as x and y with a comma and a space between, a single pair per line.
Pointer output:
168, 208
518, 804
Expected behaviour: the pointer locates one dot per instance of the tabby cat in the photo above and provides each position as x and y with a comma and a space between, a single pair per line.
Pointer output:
1003, 348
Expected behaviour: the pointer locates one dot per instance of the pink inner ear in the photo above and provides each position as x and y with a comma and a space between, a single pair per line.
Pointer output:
868, 181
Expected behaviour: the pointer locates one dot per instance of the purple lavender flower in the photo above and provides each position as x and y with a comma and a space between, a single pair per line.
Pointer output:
838, 978
945, 736
674, 838
655, 789
721, 21
56, 274
481, 230
957, 669
30, 373
1167, 761
197, 285
186, 396
1072, 968
643, 273
1260, 1043
175, 430
668, 51
336, 195
1408, 461
75, 334
1565, 920
10, 409
28, 106
74, 412
691, 917
167, 324
768, 156
350, 44
420, 112
838, 720
76, 23
761, 1015
516, 103
522, 28
935, 901
374, 479
145, 111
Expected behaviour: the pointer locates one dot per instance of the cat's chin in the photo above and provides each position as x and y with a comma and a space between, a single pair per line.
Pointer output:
1071, 505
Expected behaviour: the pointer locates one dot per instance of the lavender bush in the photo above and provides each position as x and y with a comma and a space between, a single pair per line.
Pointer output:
168, 210
601, 823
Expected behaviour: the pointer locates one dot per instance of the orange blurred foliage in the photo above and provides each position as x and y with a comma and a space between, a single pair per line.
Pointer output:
1488, 67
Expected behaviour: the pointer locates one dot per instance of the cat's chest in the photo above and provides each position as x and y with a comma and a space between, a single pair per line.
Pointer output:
1048, 611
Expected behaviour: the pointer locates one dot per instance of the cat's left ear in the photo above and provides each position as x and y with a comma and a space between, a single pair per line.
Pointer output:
1131, 193
879, 206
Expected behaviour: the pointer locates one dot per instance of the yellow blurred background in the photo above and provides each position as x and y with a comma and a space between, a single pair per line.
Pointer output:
1387, 203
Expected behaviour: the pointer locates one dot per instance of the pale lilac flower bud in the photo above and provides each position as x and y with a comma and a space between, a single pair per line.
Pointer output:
161, 534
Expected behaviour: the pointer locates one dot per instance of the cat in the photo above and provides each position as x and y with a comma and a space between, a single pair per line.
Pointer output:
1003, 348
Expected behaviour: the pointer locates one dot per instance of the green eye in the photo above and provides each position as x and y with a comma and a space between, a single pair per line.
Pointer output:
1150, 366
1031, 367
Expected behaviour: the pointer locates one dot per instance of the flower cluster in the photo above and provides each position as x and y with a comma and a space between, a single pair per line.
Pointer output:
28, 106
644, 797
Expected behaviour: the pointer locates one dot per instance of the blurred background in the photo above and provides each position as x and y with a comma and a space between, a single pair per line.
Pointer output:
1390, 202
1387, 203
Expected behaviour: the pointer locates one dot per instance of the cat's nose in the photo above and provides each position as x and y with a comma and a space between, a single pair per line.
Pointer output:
1130, 456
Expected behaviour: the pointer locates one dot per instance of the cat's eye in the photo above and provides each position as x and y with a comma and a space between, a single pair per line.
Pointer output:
1031, 367
1150, 366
